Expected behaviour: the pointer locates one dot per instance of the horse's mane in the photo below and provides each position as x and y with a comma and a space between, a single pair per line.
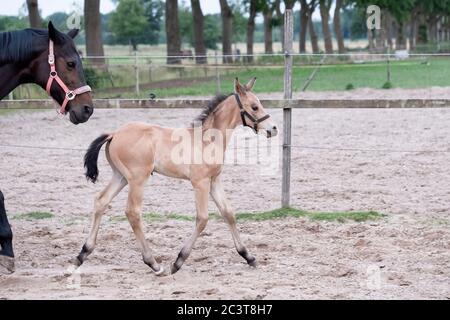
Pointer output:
211, 107
16, 46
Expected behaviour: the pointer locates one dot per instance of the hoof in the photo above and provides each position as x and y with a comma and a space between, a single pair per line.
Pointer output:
173, 269
75, 261
7, 264
252, 263
160, 272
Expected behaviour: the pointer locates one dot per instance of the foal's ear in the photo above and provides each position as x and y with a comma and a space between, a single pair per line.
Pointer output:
250, 84
239, 88
73, 33
56, 36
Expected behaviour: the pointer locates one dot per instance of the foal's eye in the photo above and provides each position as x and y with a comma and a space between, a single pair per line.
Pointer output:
71, 64
255, 108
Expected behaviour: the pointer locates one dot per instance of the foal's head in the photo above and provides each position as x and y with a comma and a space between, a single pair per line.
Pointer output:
70, 69
252, 111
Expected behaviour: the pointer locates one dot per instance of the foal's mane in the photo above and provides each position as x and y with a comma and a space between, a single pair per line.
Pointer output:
211, 107
16, 46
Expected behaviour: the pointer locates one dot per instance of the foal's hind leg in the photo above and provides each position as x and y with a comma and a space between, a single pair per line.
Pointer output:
201, 189
133, 213
102, 201
224, 206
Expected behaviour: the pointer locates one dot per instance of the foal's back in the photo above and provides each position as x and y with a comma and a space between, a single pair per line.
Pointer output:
138, 149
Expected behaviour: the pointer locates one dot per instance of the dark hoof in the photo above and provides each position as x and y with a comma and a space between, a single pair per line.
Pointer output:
76, 261
173, 269
252, 262
7, 264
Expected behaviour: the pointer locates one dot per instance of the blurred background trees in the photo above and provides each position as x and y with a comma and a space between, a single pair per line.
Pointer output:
320, 25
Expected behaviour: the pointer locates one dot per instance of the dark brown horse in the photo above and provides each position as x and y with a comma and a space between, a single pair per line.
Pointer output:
49, 59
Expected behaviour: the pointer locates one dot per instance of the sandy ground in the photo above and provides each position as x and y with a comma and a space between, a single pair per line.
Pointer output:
402, 256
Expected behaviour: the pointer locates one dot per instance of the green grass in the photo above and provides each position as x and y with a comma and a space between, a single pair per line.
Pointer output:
36, 215
358, 216
405, 74
410, 73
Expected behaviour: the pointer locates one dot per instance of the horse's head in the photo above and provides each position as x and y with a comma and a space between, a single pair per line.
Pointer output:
69, 69
253, 113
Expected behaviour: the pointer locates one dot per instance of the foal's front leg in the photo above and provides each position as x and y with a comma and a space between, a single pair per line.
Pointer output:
201, 189
227, 213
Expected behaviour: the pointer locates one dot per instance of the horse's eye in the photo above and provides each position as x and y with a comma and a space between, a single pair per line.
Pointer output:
71, 64
255, 108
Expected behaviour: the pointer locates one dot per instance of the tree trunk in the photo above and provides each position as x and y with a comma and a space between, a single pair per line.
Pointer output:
173, 32
400, 41
33, 14
303, 25
370, 40
251, 30
383, 33
200, 49
93, 27
432, 30
413, 27
325, 15
337, 26
268, 43
389, 30
227, 30
312, 31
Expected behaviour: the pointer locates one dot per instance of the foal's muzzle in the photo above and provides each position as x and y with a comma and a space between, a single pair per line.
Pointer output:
272, 132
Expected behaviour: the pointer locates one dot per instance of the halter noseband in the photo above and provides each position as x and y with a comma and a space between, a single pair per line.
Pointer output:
244, 114
69, 94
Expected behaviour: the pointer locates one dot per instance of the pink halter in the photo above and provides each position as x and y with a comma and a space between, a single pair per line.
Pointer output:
70, 94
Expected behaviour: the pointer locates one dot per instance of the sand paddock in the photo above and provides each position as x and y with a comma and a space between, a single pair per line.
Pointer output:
402, 256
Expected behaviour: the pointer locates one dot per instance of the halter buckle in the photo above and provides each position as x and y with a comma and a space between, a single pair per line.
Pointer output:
70, 95
51, 59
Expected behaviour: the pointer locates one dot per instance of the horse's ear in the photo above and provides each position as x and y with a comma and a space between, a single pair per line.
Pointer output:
73, 33
238, 88
250, 84
54, 34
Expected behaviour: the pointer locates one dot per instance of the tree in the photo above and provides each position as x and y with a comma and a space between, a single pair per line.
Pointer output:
33, 14
12, 23
186, 23
212, 31
154, 12
337, 26
197, 14
312, 31
173, 32
268, 23
251, 29
325, 6
93, 27
128, 22
303, 25
227, 30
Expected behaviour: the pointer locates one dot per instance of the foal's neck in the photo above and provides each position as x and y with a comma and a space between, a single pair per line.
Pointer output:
225, 118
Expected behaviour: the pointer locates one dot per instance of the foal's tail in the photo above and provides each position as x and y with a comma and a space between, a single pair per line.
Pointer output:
91, 156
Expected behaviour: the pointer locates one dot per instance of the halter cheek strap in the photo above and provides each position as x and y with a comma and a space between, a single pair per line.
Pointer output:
69, 94
244, 114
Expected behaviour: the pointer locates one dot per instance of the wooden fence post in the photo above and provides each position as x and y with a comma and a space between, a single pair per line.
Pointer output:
287, 112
